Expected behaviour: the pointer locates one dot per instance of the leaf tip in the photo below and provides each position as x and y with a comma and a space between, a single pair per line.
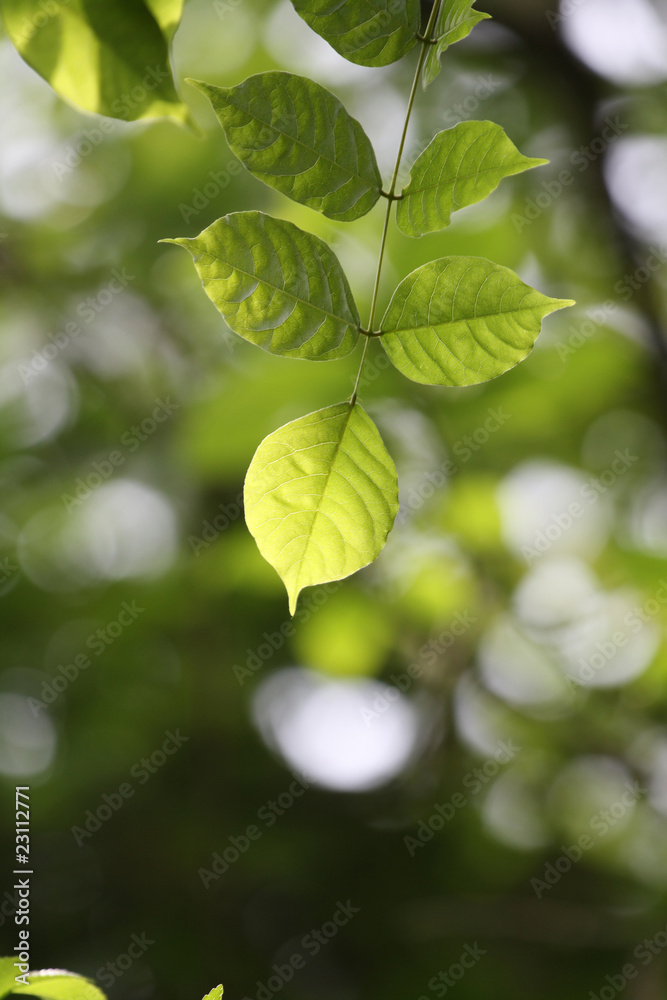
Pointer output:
207, 89
293, 595
179, 241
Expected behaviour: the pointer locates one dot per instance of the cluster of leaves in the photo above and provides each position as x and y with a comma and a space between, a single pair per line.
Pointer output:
321, 494
56, 984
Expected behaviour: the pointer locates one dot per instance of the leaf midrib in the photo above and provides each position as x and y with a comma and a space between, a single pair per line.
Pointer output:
316, 512
460, 177
401, 25
277, 288
311, 149
468, 319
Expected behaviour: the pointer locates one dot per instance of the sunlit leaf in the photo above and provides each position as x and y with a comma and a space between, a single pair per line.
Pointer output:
463, 320
56, 984
277, 286
297, 137
455, 21
459, 167
215, 994
111, 58
368, 32
321, 496
167, 13
7, 973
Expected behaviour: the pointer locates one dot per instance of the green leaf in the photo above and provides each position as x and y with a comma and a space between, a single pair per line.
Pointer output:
111, 58
215, 994
463, 320
459, 167
277, 286
297, 137
7, 974
167, 13
55, 984
455, 21
321, 495
367, 32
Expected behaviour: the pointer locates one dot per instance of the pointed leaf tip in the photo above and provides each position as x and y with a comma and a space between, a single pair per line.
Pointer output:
460, 166
462, 321
277, 286
321, 496
201, 85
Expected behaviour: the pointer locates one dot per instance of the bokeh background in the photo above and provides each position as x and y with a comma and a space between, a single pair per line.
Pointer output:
496, 632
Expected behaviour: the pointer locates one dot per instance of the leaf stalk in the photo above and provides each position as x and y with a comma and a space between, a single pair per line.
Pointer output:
426, 40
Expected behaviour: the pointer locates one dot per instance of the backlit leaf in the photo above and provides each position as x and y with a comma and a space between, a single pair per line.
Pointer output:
277, 286
297, 137
455, 21
459, 167
55, 984
321, 496
215, 994
463, 320
7, 973
167, 13
111, 58
368, 32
